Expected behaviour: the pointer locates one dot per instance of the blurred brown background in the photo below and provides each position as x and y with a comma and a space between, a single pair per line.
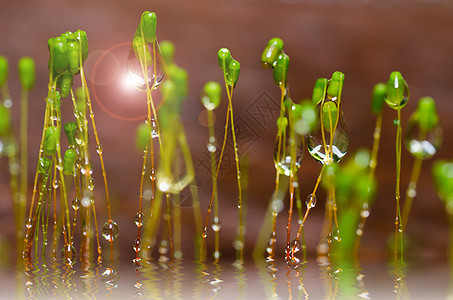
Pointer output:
364, 39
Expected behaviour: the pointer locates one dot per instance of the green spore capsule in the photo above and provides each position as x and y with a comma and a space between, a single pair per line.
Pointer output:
81, 36
74, 56
69, 161
335, 85
329, 115
3, 70
397, 91
319, 91
273, 48
224, 58
148, 25
211, 95
282, 122
59, 53
70, 130
427, 114
51, 138
5, 120
65, 84
27, 72
281, 70
378, 99
443, 179
234, 68
167, 50
180, 77
44, 165
143, 136
306, 118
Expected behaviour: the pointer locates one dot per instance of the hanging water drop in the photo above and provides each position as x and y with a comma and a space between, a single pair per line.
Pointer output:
336, 235
91, 184
68, 253
99, 149
28, 224
139, 219
216, 224
140, 64
56, 184
110, 230
76, 203
311, 201
423, 133
333, 144
282, 152
205, 232
136, 246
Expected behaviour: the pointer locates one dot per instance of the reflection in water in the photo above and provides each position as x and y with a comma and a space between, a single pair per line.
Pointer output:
181, 279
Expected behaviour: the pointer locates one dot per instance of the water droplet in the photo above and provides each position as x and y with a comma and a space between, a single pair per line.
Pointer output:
68, 254
136, 246
136, 66
421, 143
212, 147
282, 152
311, 201
56, 184
110, 230
29, 223
86, 201
163, 248
364, 213
290, 253
216, 254
325, 148
91, 184
336, 235
99, 149
76, 203
205, 232
139, 219
216, 226
154, 131
238, 245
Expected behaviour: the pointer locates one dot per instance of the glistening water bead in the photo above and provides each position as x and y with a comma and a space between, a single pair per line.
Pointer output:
110, 230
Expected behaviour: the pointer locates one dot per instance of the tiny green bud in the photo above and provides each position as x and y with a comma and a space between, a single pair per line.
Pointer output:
281, 70
59, 54
427, 114
329, 116
378, 99
306, 119
148, 25
319, 91
69, 161
211, 95
3, 70
44, 165
143, 136
335, 85
397, 91
167, 49
27, 72
65, 82
180, 78
234, 68
5, 120
224, 58
51, 138
273, 48
73, 56
81, 36
70, 129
